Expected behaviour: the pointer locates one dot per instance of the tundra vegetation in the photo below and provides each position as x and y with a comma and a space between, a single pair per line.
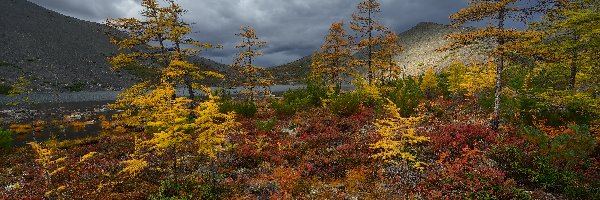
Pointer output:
523, 124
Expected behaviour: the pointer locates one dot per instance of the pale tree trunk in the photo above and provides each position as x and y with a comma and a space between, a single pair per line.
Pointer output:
495, 122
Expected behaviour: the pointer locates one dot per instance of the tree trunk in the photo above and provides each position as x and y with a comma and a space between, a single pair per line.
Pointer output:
370, 75
188, 84
495, 122
573, 71
175, 178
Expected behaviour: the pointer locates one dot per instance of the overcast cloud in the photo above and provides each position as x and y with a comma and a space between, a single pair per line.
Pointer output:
293, 28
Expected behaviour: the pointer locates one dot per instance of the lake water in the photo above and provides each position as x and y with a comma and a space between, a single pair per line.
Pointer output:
85, 107
72, 97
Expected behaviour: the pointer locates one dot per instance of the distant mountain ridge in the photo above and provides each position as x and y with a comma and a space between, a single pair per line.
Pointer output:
60, 53
420, 44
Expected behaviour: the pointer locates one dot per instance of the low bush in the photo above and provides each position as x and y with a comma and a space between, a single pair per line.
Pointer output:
5, 139
469, 176
243, 108
407, 96
345, 104
370, 94
566, 161
453, 138
5, 89
267, 125
298, 100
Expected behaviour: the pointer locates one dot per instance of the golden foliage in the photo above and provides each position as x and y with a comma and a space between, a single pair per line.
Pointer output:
172, 127
134, 167
19, 87
429, 84
471, 79
251, 76
50, 163
387, 68
397, 134
21, 128
369, 31
88, 156
333, 62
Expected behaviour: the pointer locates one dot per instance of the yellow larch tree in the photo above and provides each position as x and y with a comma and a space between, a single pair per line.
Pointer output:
332, 63
251, 77
369, 31
470, 79
387, 68
397, 135
157, 43
496, 13
50, 164
173, 130
570, 39
429, 84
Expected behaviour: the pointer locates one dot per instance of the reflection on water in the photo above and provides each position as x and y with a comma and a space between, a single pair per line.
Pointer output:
59, 131
78, 115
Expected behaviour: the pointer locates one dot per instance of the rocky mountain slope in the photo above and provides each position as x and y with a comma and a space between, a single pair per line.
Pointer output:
59, 53
419, 43
55, 51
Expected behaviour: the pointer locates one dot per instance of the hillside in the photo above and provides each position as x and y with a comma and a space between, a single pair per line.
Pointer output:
59, 53
294, 72
419, 43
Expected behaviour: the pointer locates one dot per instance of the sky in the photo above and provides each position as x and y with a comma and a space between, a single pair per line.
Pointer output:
292, 28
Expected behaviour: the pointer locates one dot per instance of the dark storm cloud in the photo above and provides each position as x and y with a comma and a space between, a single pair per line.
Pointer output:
293, 28
92, 10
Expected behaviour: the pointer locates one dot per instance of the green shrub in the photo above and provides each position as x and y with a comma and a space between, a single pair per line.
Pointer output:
345, 104
211, 187
5, 89
169, 189
289, 106
244, 108
561, 107
443, 83
5, 139
407, 96
559, 164
267, 125
485, 99
301, 99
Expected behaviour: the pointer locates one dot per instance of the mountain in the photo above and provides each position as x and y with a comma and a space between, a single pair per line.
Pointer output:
419, 43
60, 53
294, 72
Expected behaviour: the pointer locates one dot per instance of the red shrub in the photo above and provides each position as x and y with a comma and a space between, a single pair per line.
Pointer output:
453, 138
469, 176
